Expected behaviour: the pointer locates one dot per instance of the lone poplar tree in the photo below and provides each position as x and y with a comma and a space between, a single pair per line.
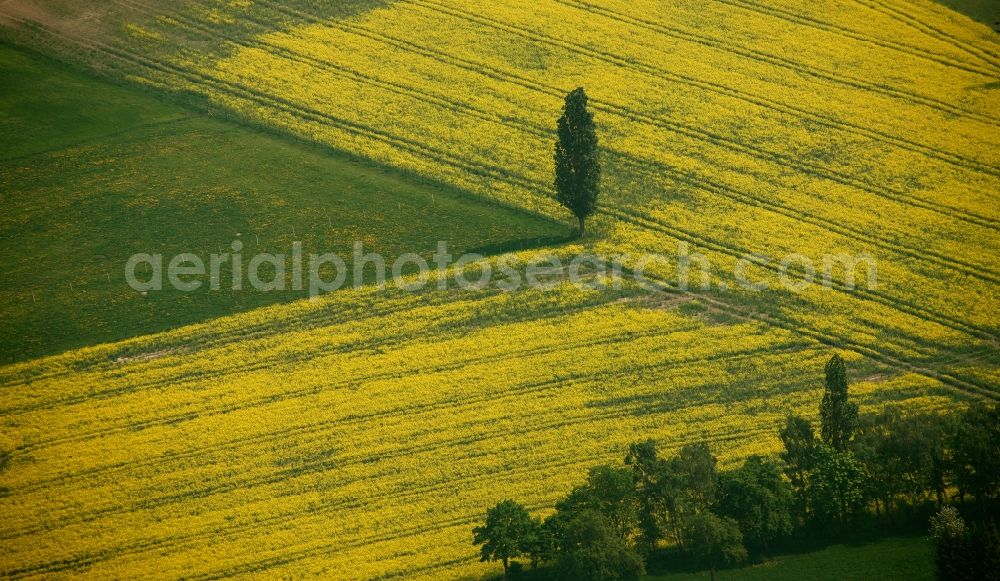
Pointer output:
578, 171
838, 415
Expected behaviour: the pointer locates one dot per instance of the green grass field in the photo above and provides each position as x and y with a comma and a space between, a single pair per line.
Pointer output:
91, 173
985, 11
903, 559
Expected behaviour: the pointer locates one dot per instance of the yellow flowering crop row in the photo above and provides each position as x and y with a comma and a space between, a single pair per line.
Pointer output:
379, 457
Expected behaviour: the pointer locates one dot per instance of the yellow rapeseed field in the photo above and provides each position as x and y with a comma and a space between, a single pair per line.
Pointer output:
362, 435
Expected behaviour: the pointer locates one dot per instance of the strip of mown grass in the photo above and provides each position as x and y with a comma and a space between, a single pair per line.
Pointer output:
906, 558
92, 172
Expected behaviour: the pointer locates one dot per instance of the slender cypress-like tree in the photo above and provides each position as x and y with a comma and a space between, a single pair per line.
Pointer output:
839, 416
578, 171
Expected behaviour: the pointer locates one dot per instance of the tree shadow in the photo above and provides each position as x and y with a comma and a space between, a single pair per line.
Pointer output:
518, 244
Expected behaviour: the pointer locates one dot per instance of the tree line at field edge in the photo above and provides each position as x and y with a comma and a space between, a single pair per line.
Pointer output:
860, 473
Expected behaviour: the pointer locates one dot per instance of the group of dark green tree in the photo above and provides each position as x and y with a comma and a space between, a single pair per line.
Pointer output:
855, 472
